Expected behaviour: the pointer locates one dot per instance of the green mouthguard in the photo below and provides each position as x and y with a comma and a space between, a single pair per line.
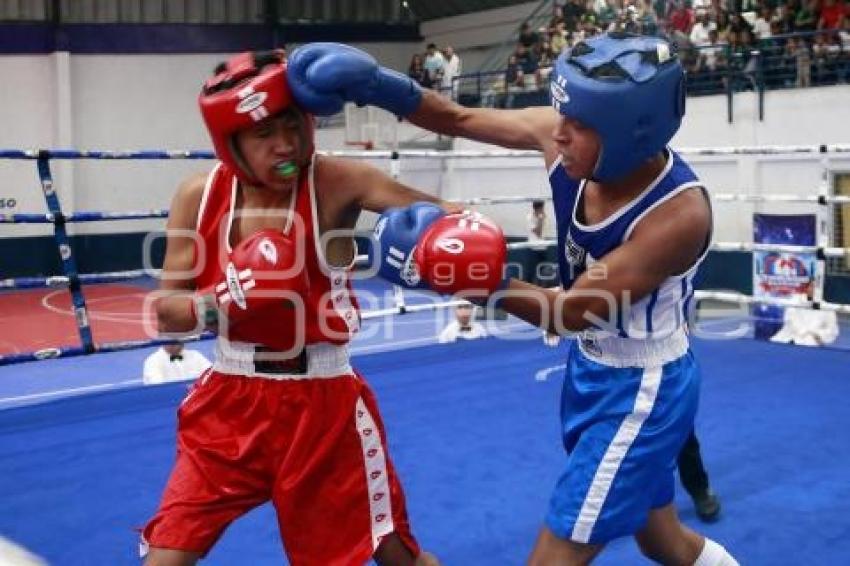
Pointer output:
287, 169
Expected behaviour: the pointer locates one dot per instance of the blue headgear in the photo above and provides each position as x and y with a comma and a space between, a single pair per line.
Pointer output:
629, 89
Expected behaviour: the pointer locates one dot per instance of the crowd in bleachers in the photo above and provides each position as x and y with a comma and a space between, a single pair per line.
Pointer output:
800, 42
436, 68
722, 43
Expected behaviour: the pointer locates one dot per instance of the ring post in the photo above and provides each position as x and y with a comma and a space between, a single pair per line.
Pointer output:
69, 266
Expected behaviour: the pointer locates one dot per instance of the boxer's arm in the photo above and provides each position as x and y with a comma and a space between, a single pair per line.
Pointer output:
527, 128
174, 310
368, 188
667, 242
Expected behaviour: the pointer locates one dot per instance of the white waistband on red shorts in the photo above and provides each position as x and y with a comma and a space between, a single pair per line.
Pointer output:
323, 360
616, 351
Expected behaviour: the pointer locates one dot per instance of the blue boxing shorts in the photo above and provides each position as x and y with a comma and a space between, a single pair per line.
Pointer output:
623, 429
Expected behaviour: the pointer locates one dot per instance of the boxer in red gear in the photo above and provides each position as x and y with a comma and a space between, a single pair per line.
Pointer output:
281, 416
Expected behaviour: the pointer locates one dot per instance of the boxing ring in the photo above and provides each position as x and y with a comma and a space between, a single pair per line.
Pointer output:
473, 426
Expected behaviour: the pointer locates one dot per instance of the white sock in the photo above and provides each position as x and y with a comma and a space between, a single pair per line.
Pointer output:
12, 554
714, 555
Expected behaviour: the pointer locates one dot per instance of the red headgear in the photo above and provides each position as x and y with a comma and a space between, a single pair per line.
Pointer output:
246, 89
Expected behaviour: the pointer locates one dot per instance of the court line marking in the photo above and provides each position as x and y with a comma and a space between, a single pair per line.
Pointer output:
64, 392
106, 316
356, 350
543, 374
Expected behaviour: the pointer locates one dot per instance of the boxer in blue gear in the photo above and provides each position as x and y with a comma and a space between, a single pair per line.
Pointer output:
396, 234
634, 224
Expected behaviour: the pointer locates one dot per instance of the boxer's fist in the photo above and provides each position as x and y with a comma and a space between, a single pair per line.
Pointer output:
396, 234
324, 76
462, 253
263, 271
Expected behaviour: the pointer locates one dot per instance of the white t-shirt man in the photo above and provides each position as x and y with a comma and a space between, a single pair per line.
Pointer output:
463, 327
451, 69
699, 33
434, 65
761, 28
536, 225
454, 332
807, 327
163, 366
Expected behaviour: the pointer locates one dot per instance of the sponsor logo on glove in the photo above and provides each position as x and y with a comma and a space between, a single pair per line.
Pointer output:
409, 272
234, 286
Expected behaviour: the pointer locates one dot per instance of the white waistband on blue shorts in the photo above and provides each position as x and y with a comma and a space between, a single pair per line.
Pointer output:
323, 360
616, 351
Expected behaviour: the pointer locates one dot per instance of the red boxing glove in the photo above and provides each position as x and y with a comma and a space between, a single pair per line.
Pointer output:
462, 253
264, 275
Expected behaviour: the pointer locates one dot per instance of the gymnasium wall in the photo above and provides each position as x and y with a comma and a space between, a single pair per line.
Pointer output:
138, 101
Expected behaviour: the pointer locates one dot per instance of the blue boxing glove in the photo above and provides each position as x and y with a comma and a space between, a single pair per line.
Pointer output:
396, 234
324, 76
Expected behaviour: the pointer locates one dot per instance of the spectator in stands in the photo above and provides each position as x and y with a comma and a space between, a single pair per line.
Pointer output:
781, 24
544, 64
749, 7
799, 53
463, 327
844, 34
173, 362
514, 80
721, 18
806, 17
699, 32
630, 20
558, 39
588, 27
434, 65
788, 15
680, 17
826, 52
844, 58
513, 73
589, 19
557, 17
646, 18
683, 43
527, 36
606, 13
773, 61
573, 11
832, 14
712, 55
451, 70
737, 24
416, 71
742, 60
748, 46
529, 59
761, 27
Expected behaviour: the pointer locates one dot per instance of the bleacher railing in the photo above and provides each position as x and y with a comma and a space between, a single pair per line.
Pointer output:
783, 61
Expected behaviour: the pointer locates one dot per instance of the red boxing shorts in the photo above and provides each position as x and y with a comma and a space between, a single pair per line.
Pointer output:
315, 447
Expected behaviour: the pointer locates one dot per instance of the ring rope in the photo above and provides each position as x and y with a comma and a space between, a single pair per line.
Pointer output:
363, 261
54, 281
740, 298
72, 351
74, 280
412, 153
51, 218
